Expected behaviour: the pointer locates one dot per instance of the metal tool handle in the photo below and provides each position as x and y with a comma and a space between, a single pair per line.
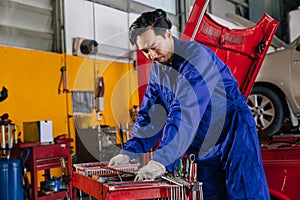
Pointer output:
63, 166
192, 168
63, 82
121, 135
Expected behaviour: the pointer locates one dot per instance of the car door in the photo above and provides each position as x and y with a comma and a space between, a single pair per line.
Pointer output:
295, 72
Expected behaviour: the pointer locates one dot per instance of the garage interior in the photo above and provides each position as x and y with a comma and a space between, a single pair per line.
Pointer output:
72, 85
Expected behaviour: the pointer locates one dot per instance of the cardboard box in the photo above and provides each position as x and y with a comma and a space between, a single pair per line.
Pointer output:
38, 131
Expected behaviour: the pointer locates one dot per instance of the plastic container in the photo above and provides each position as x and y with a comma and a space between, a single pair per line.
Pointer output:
11, 187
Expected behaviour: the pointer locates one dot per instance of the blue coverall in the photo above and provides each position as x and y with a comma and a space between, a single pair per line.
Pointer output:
194, 106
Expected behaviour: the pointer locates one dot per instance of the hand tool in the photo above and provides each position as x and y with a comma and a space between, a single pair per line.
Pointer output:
192, 168
65, 177
176, 180
121, 135
197, 189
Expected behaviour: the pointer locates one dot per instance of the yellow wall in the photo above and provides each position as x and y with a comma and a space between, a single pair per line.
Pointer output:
120, 80
32, 79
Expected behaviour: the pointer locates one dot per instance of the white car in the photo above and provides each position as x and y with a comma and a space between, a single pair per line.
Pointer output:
275, 97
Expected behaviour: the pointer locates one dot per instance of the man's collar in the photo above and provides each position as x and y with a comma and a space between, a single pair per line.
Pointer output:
177, 54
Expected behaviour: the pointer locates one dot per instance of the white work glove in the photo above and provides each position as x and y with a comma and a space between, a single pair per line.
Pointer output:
149, 172
120, 159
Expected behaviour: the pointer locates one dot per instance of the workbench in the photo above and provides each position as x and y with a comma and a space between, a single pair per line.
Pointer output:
45, 157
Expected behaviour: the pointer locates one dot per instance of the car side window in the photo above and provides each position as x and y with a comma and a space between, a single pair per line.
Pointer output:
298, 44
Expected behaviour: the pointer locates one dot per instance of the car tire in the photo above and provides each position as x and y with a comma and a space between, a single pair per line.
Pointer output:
267, 109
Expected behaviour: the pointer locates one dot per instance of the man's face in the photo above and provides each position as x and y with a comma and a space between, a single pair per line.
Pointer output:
155, 47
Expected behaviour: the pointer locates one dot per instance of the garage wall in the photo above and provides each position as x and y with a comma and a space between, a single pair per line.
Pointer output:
120, 81
32, 91
32, 79
106, 25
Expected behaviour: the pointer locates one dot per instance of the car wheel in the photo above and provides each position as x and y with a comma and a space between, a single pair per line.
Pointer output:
266, 108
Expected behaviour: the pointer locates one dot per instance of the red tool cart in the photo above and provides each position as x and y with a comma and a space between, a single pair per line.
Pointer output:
102, 182
281, 159
44, 158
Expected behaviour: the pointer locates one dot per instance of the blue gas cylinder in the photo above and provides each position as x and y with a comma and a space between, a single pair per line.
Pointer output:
11, 187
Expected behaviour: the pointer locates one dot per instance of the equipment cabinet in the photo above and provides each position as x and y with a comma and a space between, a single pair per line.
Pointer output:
46, 157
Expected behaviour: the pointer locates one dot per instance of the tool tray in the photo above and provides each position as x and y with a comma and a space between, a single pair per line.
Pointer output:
98, 168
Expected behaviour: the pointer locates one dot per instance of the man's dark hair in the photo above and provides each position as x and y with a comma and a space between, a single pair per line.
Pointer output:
156, 19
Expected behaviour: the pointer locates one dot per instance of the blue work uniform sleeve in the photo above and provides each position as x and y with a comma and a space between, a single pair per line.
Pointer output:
148, 128
191, 97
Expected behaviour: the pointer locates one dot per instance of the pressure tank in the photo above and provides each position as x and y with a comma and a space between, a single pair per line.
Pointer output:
11, 187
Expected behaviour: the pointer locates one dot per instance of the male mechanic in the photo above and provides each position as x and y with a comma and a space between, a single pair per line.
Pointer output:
192, 105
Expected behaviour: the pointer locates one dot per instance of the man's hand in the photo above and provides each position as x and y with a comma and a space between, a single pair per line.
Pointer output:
151, 171
120, 159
